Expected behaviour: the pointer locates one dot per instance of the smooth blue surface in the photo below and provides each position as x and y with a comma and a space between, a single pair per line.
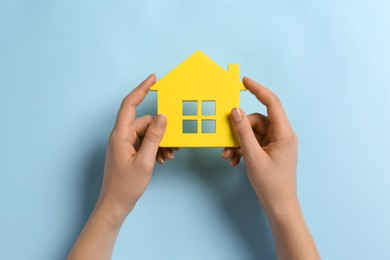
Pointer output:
66, 65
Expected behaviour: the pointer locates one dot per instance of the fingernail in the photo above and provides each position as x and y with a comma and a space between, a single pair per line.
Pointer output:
236, 115
150, 76
223, 153
160, 121
172, 156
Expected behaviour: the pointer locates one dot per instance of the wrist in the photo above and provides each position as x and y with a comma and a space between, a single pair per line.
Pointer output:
111, 212
283, 210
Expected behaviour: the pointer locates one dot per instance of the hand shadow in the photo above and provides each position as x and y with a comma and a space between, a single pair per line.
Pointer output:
237, 199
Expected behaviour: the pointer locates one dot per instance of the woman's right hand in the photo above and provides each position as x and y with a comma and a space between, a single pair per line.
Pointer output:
269, 148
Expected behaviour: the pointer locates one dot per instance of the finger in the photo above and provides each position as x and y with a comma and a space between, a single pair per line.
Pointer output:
126, 113
152, 139
228, 153
275, 111
160, 157
167, 153
238, 152
248, 142
137, 143
260, 139
235, 160
259, 123
141, 124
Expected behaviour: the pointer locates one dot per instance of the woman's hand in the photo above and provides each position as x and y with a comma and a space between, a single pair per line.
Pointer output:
132, 150
269, 148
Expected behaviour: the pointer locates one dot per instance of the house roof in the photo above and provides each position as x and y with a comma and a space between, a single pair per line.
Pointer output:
200, 65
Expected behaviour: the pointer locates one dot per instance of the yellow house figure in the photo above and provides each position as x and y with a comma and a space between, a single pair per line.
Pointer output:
197, 97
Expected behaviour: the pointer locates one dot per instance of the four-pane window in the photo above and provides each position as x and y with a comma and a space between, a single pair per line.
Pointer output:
199, 117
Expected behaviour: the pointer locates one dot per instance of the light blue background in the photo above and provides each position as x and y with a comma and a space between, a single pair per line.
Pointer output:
66, 65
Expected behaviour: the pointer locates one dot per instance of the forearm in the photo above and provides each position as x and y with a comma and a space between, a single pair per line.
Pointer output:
292, 237
131, 153
98, 237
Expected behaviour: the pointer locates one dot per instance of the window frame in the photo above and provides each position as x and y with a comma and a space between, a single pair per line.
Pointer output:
199, 117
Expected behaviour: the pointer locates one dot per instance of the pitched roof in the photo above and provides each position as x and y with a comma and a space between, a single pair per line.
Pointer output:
200, 65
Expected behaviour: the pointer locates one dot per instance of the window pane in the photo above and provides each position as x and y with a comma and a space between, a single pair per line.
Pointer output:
208, 126
190, 108
208, 108
190, 126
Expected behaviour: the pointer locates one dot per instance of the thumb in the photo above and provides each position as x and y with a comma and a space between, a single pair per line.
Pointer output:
248, 142
152, 138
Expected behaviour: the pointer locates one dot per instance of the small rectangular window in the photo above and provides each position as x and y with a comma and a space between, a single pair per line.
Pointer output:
190, 108
208, 108
190, 126
208, 126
